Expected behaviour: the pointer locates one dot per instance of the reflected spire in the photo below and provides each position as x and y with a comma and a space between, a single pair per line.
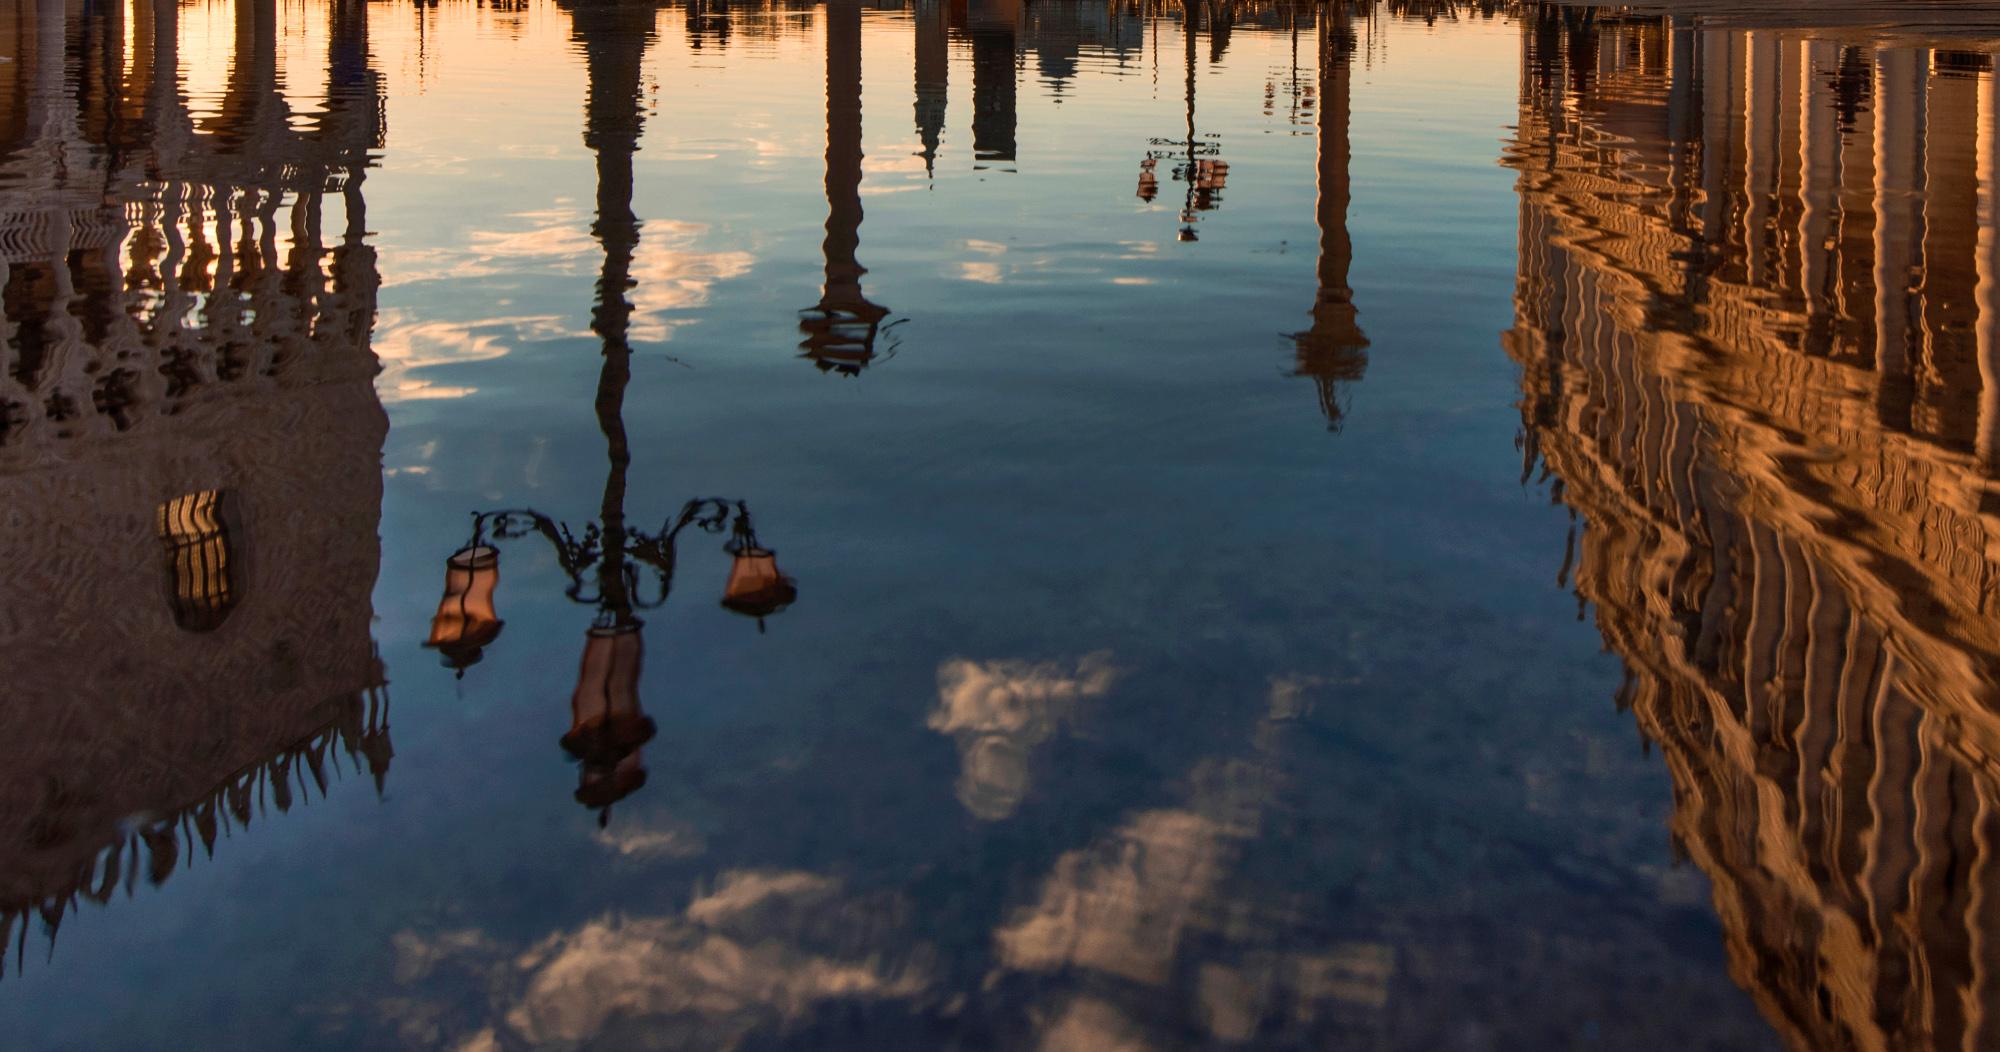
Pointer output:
1334, 350
842, 328
933, 70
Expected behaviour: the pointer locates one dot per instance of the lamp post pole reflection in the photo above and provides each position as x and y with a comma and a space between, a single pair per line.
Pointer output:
606, 561
841, 329
1334, 350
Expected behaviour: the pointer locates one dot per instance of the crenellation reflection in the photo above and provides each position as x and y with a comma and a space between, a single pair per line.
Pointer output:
1753, 317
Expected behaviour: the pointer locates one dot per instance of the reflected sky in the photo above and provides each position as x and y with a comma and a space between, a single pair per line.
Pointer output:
997, 524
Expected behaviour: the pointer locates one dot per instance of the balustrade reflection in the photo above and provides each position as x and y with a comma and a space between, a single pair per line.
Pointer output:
1755, 321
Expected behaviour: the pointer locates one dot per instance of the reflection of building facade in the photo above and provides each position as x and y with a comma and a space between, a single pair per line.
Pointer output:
190, 456
1755, 317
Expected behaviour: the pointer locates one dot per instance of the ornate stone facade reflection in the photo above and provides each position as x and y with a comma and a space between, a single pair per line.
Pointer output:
190, 444
1758, 322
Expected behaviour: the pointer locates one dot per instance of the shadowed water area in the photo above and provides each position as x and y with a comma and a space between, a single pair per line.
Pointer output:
999, 524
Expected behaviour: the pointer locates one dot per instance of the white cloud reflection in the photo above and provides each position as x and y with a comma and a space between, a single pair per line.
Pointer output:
670, 281
998, 712
406, 347
752, 954
1134, 902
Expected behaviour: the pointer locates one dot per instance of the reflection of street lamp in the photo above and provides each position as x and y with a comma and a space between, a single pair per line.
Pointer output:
757, 588
466, 622
1334, 350
604, 560
607, 726
842, 328
1197, 162
603, 565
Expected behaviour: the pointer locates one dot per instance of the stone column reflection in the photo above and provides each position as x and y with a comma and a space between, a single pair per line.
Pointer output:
1819, 173
1988, 262
1900, 87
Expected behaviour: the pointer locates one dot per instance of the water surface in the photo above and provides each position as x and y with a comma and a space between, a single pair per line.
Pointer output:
998, 525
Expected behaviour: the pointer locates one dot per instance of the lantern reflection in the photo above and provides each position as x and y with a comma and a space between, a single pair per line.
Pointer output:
757, 588
607, 726
621, 570
466, 622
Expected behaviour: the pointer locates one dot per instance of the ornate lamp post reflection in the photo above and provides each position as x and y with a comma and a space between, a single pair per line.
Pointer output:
607, 562
608, 568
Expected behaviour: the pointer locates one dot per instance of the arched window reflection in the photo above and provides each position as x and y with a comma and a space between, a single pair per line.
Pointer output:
196, 534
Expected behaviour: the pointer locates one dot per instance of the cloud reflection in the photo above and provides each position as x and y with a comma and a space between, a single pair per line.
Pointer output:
406, 348
762, 950
999, 711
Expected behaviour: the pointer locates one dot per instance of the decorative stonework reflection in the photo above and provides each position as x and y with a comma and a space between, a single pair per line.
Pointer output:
190, 447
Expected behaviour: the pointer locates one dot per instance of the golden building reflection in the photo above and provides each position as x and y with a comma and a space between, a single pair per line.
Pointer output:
188, 302
1755, 320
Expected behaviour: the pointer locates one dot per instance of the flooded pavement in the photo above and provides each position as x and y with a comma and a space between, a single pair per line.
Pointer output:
998, 524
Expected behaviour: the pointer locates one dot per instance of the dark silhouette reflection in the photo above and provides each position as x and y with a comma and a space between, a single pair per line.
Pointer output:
605, 560
1758, 349
190, 447
842, 329
933, 75
992, 27
1333, 350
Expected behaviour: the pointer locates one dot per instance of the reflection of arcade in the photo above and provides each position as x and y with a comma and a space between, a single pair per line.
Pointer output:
842, 328
190, 446
1334, 350
1756, 318
1197, 158
608, 725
